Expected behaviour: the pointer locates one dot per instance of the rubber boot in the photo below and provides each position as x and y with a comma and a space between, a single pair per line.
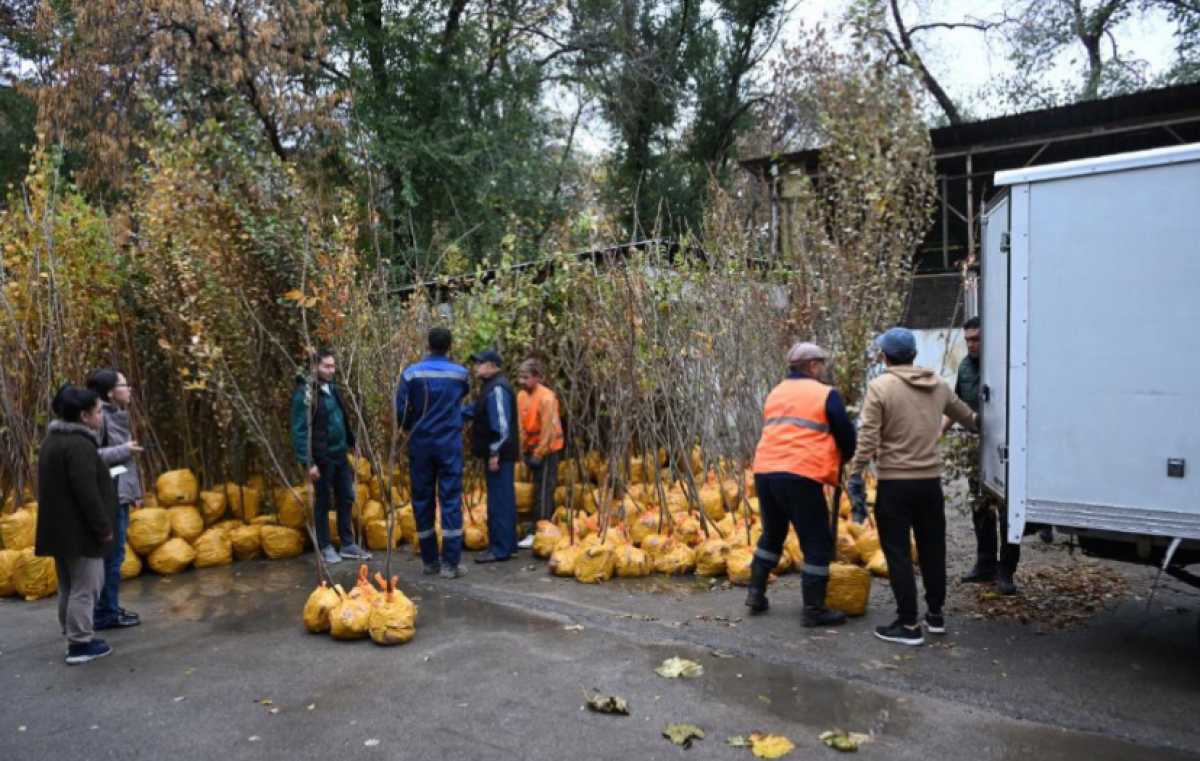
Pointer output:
756, 595
815, 612
984, 572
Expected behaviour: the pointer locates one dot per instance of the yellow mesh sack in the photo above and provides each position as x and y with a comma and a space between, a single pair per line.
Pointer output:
281, 542
677, 561
18, 530
877, 565
34, 577
131, 565
173, 556
562, 560
212, 506
177, 487
712, 558
148, 528
348, 620
545, 538
8, 564
595, 564
214, 548
317, 608
291, 506
737, 564
632, 563
849, 589
393, 617
247, 541
186, 523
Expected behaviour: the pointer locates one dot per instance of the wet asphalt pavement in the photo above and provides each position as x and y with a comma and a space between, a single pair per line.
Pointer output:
222, 668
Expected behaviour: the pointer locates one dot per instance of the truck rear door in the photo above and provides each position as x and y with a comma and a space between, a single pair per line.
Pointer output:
993, 303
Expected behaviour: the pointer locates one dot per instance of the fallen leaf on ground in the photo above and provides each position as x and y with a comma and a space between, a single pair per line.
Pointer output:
738, 741
721, 654
573, 628
674, 668
770, 746
266, 701
846, 742
683, 734
608, 704
371, 743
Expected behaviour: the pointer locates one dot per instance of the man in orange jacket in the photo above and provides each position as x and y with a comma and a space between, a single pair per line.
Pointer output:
806, 437
541, 438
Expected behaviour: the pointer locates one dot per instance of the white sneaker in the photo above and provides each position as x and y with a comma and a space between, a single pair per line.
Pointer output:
526, 543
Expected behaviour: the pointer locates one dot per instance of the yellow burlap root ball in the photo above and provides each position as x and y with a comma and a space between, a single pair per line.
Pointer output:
131, 565
877, 565
177, 487
712, 558
632, 563
291, 506
173, 556
214, 548
281, 542
318, 607
677, 561
376, 532
392, 619
18, 529
247, 542
737, 565
148, 529
350, 617
186, 523
34, 577
8, 565
562, 560
545, 539
595, 564
212, 506
849, 589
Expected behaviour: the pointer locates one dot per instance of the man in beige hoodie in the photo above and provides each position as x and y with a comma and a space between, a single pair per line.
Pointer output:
901, 424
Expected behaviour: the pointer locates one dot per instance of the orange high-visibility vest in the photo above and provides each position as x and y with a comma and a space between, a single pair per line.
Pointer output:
796, 437
529, 409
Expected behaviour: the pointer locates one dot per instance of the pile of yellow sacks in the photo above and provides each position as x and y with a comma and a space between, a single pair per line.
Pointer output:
385, 614
639, 541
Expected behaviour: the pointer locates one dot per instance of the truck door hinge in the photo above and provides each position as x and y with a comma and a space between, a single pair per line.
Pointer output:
1003, 452
1005, 243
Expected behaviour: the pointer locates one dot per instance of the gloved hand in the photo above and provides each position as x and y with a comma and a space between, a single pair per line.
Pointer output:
856, 487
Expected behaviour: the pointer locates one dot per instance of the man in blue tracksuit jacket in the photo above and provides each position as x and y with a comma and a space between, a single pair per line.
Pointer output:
429, 405
495, 439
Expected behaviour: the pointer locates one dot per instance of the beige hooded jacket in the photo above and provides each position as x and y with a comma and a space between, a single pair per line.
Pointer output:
902, 421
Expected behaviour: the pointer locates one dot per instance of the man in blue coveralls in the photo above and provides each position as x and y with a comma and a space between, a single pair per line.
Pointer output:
429, 405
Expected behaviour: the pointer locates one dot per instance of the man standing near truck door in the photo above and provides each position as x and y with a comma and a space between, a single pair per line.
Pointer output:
986, 509
901, 423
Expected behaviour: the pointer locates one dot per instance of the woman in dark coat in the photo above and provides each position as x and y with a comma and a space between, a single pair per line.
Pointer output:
77, 505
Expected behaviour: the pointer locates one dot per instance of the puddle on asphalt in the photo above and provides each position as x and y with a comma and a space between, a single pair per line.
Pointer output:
794, 695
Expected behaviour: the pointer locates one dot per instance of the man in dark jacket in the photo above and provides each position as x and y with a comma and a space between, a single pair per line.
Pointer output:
77, 506
118, 450
322, 439
429, 402
494, 439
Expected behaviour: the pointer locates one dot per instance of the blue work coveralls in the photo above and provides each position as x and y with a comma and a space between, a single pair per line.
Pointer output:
429, 403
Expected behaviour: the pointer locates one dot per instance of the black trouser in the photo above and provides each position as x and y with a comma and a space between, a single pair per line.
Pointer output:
914, 505
545, 481
985, 510
785, 499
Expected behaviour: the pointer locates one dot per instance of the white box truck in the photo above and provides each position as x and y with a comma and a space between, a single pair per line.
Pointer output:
1090, 395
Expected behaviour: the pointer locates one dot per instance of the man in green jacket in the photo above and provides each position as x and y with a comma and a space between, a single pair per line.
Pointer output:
322, 439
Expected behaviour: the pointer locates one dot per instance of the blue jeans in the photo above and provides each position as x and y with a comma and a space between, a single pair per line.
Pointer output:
107, 604
438, 464
337, 479
502, 511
